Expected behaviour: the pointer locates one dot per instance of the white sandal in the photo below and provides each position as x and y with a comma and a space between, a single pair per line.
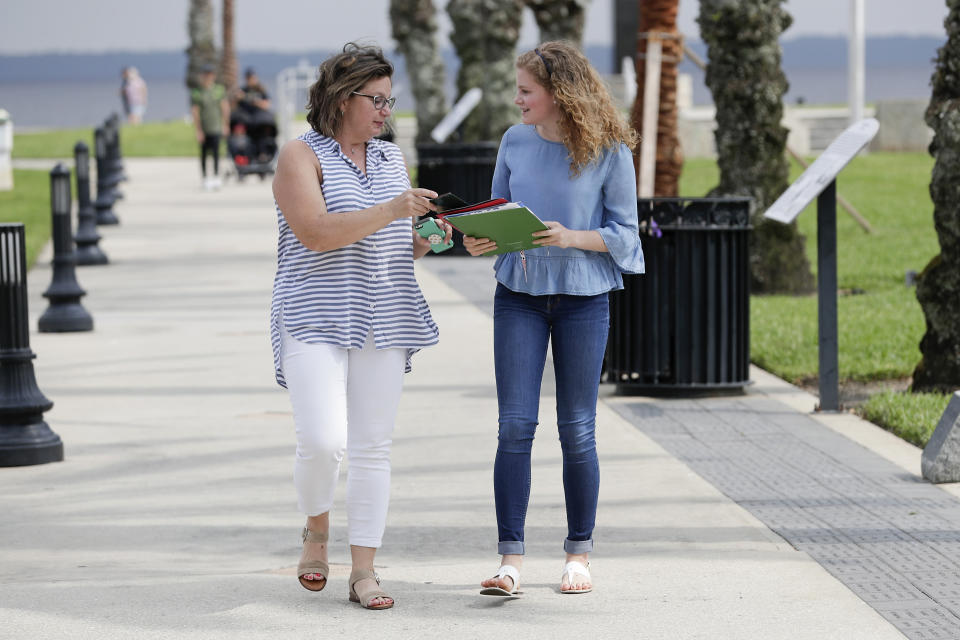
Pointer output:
571, 569
505, 571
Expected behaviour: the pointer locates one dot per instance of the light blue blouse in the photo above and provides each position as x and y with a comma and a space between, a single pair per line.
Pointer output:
603, 198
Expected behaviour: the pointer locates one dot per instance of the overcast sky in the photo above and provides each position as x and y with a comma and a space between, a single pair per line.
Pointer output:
34, 26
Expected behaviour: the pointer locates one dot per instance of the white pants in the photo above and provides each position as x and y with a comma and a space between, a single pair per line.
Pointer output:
344, 400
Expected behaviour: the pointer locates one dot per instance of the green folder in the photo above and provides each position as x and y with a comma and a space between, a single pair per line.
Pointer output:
510, 225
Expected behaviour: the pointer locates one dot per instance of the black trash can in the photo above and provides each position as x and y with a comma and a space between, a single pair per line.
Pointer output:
683, 328
462, 168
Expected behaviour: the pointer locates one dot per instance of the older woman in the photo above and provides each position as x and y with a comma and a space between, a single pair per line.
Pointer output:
347, 312
570, 162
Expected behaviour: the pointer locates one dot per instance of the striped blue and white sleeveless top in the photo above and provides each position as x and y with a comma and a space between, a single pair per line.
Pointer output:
337, 297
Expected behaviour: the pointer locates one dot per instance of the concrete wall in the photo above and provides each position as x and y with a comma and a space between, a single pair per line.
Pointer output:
813, 128
901, 126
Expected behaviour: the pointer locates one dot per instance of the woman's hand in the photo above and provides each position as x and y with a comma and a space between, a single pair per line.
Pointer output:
556, 235
412, 203
421, 245
478, 246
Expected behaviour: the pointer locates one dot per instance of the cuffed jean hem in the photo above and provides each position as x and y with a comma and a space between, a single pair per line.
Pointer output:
577, 546
510, 548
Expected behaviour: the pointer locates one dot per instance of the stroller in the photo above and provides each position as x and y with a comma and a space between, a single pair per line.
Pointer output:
252, 143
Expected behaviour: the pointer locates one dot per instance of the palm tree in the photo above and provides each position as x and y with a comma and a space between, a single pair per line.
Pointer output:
747, 83
560, 19
485, 34
414, 25
228, 59
202, 50
938, 286
660, 17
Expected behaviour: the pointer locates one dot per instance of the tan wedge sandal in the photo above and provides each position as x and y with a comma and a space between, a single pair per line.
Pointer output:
365, 597
313, 566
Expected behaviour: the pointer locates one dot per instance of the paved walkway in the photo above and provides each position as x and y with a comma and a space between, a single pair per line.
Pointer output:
173, 514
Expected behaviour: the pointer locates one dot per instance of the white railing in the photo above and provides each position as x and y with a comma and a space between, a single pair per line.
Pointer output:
293, 86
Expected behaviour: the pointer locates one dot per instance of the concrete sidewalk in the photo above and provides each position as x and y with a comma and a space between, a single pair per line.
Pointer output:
173, 514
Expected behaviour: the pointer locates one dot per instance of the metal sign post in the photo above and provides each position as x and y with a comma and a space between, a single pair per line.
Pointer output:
819, 181
829, 365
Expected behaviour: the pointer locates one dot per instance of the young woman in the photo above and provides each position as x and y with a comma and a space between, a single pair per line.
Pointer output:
347, 312
570, 162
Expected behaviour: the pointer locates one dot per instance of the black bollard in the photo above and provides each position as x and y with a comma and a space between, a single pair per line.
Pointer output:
116, 158
25, 438
88, 250
111, 176
105, 196
112, 173
65, 312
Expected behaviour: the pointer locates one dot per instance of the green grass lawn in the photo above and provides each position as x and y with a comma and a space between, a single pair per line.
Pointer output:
29, 203
880, 328
912, 416
151, 139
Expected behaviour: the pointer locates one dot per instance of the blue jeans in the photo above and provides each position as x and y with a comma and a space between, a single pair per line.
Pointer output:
576, 326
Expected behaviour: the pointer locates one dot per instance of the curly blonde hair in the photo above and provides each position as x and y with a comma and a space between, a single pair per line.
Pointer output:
589, 121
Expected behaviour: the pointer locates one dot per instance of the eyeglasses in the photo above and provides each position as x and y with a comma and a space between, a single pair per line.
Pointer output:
379, 102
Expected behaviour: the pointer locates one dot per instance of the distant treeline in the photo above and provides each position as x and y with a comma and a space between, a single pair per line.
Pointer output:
798, 53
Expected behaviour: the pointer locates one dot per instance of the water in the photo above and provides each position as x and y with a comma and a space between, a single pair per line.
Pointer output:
87, 104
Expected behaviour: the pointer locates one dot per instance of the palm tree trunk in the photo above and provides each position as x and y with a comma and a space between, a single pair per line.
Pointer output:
660, 17
228, 60
414, 25
747, 83
202, 50
938, 287
560, 19
485, 34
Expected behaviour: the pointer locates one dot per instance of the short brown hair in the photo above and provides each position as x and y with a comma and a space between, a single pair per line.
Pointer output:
338, 77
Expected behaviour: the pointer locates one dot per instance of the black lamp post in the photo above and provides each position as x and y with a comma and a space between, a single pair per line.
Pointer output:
106, 196
65, 312
87, 239
25, 438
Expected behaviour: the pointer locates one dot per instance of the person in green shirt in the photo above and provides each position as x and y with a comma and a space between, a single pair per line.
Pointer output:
211, 117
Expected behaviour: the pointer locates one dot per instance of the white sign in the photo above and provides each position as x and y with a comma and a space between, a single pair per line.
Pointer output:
823, 171
457, 115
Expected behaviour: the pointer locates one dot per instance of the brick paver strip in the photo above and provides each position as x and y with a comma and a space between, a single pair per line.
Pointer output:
890, 537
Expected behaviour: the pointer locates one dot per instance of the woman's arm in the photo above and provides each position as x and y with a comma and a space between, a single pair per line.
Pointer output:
296, 186
620, 227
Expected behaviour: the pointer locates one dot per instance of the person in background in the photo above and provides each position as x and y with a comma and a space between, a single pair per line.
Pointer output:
253, 95
135, 90
124, 78
347, 312
570, 162
211, 117
251, 116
